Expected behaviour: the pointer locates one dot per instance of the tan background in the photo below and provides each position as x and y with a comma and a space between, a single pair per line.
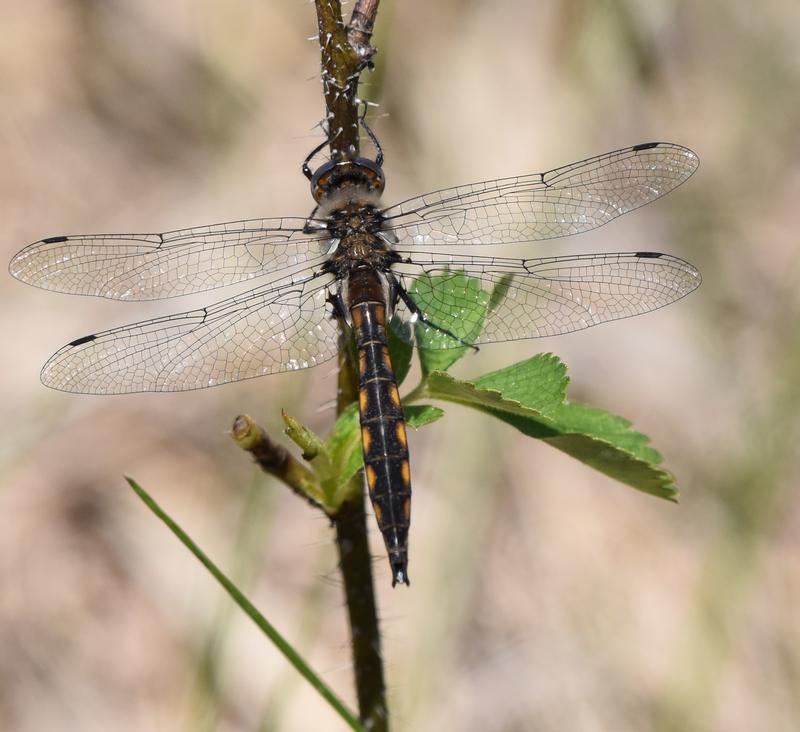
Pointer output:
545, 596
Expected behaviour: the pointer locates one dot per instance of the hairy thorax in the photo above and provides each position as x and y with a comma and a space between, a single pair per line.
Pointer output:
355, 221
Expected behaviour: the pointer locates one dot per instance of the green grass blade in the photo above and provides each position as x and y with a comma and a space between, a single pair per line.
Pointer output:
249, 609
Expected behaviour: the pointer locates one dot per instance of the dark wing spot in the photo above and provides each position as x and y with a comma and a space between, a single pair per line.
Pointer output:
81, 341
649, 255
54, 239
645, 146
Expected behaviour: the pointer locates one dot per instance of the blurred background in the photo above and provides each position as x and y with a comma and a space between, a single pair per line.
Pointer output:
545, 596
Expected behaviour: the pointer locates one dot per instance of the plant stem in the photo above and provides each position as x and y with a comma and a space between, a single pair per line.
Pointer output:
359, 30
420, 391
345, 52
340, 69
356, 565
359, 587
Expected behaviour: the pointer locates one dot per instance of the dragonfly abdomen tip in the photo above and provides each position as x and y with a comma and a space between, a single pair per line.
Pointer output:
400, 578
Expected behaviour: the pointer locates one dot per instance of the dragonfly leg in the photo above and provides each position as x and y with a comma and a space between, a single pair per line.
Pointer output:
338, 308
371, 135
307, 172
399, 293
308, 227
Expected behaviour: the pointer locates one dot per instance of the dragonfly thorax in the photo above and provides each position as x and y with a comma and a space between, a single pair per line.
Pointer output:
352, 212
361, 250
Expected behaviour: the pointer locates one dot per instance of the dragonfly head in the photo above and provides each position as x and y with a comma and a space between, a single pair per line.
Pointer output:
336, 175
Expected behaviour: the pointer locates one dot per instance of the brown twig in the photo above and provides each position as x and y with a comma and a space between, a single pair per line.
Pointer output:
359, 30
276, 460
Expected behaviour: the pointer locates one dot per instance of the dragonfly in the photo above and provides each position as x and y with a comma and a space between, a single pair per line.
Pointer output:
356, 264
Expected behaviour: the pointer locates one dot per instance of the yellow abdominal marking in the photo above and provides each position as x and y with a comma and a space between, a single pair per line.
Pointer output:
366, 439
401, 434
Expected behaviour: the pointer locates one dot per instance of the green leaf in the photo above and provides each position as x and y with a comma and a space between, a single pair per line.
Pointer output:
419, 415
455, 306
398, 338
539, 382
291, 655
344, 446
529, 396
500, 291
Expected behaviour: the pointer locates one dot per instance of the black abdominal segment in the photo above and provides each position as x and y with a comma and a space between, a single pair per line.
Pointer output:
383, 430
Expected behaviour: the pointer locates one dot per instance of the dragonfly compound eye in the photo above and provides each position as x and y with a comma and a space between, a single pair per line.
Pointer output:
336, 174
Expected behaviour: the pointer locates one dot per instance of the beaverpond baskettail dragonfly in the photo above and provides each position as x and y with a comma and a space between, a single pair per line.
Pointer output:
376, 268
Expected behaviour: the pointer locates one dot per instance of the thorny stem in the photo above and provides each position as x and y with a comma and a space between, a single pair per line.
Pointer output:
345, 52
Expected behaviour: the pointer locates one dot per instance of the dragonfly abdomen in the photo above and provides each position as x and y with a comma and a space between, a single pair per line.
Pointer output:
383, 430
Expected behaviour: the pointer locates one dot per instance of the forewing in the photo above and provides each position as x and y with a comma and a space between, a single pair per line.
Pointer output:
489, 299
560, 202
280, 327
153, 266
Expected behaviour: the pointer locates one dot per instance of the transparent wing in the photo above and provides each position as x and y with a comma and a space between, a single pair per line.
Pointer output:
560, 202
153, 266
279, 327
491, 299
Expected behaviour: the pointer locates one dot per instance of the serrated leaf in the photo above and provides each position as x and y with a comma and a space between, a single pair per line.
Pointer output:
441, 385
591, 420
419, 415
529, 396
539, 382
453, 303
602, 454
